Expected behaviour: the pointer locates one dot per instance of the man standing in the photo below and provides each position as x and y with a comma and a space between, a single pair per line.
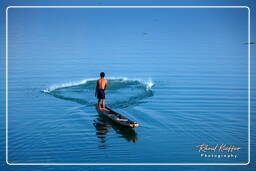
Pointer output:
100, 91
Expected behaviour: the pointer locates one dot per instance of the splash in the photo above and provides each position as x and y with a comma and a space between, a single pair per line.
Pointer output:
65, 85
147, 83
121, 92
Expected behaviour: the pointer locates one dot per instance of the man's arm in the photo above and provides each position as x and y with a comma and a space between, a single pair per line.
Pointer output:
106, 85
97, 88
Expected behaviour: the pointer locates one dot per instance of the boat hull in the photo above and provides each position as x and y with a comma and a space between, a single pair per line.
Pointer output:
117, 118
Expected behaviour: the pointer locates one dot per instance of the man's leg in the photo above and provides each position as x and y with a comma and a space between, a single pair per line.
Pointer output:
103, 105
99, 103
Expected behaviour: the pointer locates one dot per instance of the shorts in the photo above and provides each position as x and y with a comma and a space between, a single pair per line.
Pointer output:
101, 94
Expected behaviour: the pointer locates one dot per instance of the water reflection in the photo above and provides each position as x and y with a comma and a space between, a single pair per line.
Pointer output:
103, 126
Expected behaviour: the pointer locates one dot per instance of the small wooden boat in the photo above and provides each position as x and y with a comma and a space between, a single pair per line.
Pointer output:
117, 118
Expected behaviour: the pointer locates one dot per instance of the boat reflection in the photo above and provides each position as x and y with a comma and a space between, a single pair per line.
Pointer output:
103, 126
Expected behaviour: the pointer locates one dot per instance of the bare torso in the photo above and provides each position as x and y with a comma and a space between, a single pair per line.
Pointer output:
102, 83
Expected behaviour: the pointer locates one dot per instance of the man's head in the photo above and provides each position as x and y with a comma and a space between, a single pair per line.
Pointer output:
102, 74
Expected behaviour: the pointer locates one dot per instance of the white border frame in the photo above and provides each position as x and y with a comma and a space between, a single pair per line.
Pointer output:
249, 82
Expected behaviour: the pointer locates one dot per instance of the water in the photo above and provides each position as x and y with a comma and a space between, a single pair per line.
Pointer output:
183, 89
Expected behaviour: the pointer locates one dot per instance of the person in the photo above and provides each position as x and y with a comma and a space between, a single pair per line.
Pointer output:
100, 91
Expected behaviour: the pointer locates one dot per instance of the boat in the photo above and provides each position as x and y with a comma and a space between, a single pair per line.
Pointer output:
116, 117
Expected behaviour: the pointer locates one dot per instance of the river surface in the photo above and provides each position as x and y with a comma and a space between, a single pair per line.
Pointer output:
184, 88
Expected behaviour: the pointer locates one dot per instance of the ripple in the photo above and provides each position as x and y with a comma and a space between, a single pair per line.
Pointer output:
121, 92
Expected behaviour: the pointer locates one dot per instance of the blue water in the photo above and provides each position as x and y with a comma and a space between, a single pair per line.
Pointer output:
183, 88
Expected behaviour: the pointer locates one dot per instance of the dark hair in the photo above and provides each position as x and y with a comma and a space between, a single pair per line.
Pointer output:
102, 74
